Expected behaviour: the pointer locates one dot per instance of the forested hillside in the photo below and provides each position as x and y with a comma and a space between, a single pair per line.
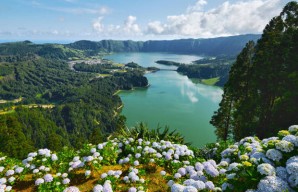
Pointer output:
43, 103
261, 94
211, 47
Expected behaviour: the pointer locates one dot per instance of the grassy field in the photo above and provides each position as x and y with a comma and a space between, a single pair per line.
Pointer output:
211, 81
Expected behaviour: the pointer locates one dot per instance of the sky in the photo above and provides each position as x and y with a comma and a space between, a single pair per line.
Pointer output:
70, 20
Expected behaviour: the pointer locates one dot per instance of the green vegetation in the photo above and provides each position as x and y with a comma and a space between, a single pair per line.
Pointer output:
169, 63
211, 81
230, 46
210, 70
261, 94
157, 160
218, 60
216, 73
73, 108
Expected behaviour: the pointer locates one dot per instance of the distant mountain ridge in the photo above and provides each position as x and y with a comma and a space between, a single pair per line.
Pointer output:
231, 45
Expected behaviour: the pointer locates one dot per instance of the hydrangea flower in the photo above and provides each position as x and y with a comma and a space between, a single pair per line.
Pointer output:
170, 183
291, 138
177, 175
189, 189
107, 186
273, 184
266, 169
163, 173
54, 157
136, 163
200, 185
104, 175
64, 175
132, 189
292, 168
292, 159
98, 188
182, 171
293, 180
48, 178
9, 173
244, 157
39, 181
3, 180
11, 179
285, 146
8, 188
281, 172
177, 188
209, 185
234, 167
210, 169
71, 189
66, 181
18, 170
274, 154
293, 129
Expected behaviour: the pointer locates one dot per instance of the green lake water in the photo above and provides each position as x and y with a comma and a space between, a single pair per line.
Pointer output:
172, 99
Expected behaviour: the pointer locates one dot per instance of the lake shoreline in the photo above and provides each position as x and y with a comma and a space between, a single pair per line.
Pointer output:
171, 100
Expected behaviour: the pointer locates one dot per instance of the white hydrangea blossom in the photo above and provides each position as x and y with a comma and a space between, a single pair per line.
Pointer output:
293, 129
266, 169
285, 146
71, 189
39, 181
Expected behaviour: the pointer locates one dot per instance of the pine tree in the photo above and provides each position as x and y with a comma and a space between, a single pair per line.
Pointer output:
261, 94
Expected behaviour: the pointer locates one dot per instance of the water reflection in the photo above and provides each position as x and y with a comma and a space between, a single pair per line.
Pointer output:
172, 100
192, 90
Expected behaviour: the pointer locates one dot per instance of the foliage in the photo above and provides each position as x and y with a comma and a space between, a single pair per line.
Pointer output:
261, 93
208, 71
58, 106
141, 131
230, 46
211, 81
131, 163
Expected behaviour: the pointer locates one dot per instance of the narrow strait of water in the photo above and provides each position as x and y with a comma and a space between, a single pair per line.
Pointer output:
171, 100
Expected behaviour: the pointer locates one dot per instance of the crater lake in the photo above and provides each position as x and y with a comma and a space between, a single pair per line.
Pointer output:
172, 99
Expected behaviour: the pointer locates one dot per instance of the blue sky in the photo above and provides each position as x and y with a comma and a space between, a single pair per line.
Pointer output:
133, 19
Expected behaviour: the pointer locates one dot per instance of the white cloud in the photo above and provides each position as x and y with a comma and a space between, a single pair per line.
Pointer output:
75, 10
155, 27
97, 24
240, 17
84, 8
195, 91
130, 25
198, 6
129, 28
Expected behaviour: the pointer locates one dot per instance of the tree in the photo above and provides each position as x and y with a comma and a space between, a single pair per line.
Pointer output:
261, 93
236, 90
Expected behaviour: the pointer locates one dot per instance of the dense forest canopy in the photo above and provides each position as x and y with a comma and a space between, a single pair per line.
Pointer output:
46, 104
261, 94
